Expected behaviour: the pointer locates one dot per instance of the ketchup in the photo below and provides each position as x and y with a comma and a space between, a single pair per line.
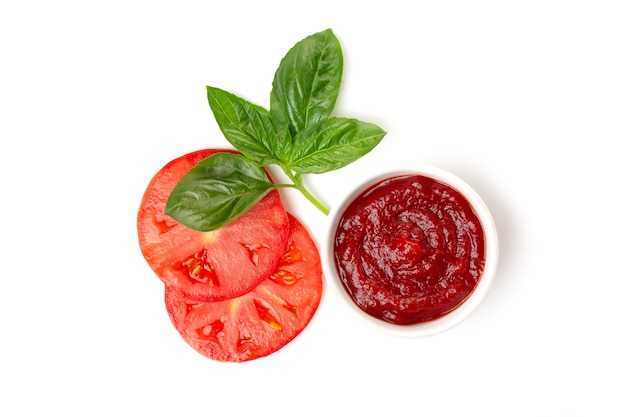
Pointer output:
409, 249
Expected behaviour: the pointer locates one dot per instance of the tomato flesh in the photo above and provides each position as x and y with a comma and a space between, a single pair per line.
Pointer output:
209, 266
261, 321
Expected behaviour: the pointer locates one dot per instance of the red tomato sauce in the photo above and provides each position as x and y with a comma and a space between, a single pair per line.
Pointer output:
409, 249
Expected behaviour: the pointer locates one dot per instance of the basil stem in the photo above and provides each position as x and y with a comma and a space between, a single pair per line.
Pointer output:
298, 184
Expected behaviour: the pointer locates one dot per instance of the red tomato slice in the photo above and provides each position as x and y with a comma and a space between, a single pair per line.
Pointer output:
261, 321
209, 266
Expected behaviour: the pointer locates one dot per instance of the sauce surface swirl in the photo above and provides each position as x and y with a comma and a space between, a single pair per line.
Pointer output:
409, 249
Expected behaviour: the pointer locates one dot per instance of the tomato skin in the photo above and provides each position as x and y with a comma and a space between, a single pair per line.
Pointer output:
261, 321
209, 266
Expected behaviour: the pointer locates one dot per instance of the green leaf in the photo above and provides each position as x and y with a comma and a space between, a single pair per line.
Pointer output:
246, 126
283, 145
297, 133
306, 84
217, 191
332, 144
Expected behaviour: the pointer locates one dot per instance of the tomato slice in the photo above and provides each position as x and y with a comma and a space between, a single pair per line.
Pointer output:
209, 266
261, 321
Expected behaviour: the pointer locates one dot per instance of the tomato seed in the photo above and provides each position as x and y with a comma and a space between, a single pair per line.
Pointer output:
198, 268
267, 314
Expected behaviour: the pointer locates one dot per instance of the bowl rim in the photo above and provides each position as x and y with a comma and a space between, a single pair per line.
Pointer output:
462, 311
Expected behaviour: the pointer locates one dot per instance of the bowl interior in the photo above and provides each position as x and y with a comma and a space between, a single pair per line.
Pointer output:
459, 313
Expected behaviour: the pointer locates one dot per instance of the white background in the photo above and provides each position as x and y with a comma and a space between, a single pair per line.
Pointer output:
526, 101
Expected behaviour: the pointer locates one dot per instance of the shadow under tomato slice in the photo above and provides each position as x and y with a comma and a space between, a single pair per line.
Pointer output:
262, 321
209, 266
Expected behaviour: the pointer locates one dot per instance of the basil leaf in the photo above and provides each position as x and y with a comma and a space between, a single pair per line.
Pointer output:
332, 144
217, 191
284, 145
246, 126
306, 83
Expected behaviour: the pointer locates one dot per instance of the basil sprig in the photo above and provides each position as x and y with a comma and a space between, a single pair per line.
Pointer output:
298, 133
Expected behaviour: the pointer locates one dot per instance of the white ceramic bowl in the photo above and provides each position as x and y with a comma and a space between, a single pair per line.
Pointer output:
459, 313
